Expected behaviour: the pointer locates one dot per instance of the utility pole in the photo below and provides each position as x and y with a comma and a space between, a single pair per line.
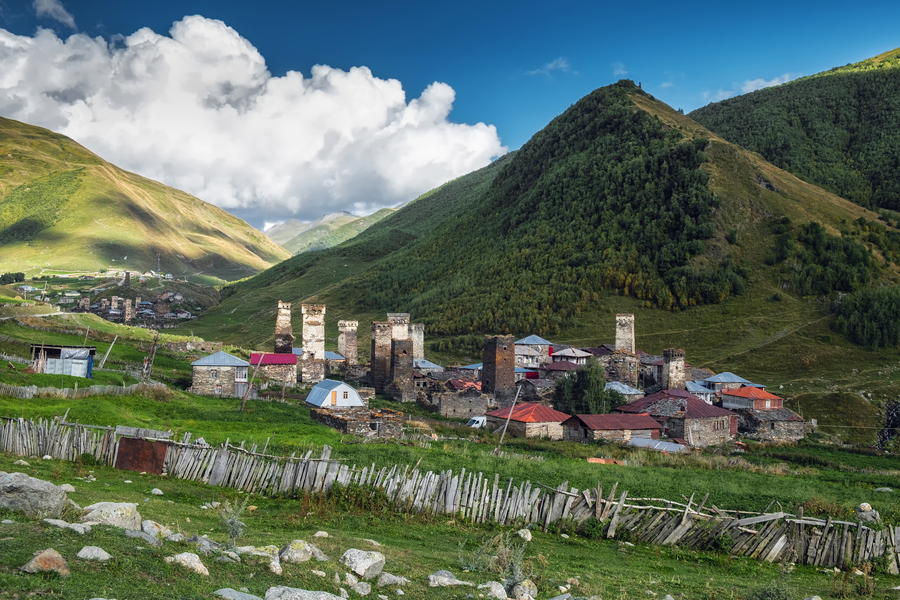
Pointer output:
508, 417
148, 362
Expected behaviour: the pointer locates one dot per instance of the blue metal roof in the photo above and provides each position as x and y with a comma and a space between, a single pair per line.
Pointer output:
695, 387
220, 359
329, 355
473, 367
622, 388
657, 445
726, 378
421, 363
534, 340
321, 394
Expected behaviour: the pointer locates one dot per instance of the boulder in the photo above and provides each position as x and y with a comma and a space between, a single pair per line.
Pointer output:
445, 579
190, 561
69, 488
155, 529
150, 539
320, 534
350, 579
362, 588
159, 492
386, 579
286, 593
866, 514
296, 552
230, 594
45, 561
524, 534
365, 564
34, 497
117, 514
494, 590
94, 553
523, 588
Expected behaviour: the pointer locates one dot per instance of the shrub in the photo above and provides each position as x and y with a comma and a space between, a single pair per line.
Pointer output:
593, 528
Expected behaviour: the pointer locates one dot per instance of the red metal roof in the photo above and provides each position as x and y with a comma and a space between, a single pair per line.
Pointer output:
752, 393
630, 421
273, 359
529, 412
672, 403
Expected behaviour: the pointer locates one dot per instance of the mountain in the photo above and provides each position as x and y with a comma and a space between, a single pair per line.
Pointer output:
64, 208
283, 232
332, 230
839, 129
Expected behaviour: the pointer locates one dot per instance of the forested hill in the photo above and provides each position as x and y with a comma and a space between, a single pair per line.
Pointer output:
839, 129
620, 194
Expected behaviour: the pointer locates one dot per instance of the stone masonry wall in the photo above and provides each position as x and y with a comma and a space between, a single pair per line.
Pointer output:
362, 422
621, 366
417, 333
347, 343
625, 332
313, 331
206, 379
402, 386
673, 377
208, 347
284, 335
498, 375
380, 371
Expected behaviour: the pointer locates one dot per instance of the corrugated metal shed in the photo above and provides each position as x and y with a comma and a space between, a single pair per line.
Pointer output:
657, 445
220, 359
321, 395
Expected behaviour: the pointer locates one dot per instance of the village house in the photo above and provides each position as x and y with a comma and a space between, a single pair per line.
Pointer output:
281, 367
726, 381
528, 420
762, 415
631, 394
536, 390
534, 352
612, 427
686, 417
334, 394
219, 374
557, 370
573, 355
426, 367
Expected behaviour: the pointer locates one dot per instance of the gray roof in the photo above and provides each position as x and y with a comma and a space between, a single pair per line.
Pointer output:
421, 363
533, 340
695, 387
320, 394
657, 445
622, 388
726, 378
220, 359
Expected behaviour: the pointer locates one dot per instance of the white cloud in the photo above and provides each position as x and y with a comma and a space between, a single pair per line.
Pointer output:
619, 69
757, 84
666, 84
55, 10
199, 110
718, 95
560, 64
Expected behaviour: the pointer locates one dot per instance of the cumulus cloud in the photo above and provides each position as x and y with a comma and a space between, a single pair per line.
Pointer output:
55, 10
757, 84
560, 64
619, 69
718, 95
198, 110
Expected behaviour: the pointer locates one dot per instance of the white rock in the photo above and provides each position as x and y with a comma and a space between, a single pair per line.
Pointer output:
7, 522
81, 528
362, 588
67, 487
365, 564
93, 553
117, 514
523, 588
445, 579
21, 463
386, 579
21, 493
230, 594
156, 492
155, 529
524, 534
350, 579
286, 593
344, 593
494, 590
564, 536
46, 457
296, 552
127, 481
373, 542
190, 561
399, 592
319, 573
320, 534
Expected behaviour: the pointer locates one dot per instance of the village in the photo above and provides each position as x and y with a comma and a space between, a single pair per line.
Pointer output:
669, 405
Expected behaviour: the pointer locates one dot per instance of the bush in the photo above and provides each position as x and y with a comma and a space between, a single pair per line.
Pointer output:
772, 591
593, 528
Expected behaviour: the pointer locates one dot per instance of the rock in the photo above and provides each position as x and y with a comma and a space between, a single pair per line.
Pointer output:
494, 590
649, 593
296, 552
275, 564
34, 497
45, 561
350, 579
668, 597
399, 592
524, 534
884, 489
373, 542
230, 594
572, 581
565, 596
175, 537
866, 514
445, 579
156, 492
8, 522
117, 514
81, 528
127, 481
522, 588
320, 534
318, 554
225, 560
69, 488
74, 504
150, 539
810, 598
21, 463
155, 529
365, 564
319, 573
386, 579
344, 593
190, 561
46, 457
93, 553
286, 593
362, 588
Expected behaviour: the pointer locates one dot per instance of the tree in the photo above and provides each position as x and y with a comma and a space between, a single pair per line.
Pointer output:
584, 391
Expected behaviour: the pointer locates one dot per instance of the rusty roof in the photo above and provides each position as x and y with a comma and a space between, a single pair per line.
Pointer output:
530, 412
620, 421
562, 365
674, 403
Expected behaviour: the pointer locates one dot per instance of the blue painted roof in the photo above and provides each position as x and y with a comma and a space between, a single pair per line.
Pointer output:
726, 378
534, 340
695, 387
329, 355
321, 394
622, 388
657, 445
220, 359
473, 367
421, 363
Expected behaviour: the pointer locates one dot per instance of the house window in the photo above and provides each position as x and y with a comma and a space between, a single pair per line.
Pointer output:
346, 395
773, 426
213, 374
768, 404
219, 390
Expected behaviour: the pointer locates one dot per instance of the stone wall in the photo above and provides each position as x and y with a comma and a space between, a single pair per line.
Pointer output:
622, 367
463, 405
380, 371
402, 386
283, 373
417, 333
213, 381
780, 431
207, 347
553, 431
399, 325
498, 375
580, 434
313, 331
347, 341
284, 335
312, 370
625, 333
362, 422
129, 311
700, 432
673, 376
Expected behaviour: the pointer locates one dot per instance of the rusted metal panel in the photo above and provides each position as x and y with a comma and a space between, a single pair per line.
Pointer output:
141, 455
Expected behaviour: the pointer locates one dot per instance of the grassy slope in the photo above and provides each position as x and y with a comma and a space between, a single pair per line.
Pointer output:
285, 231
115, 214
334, 232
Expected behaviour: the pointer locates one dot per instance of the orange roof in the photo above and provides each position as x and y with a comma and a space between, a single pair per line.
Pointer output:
529, 412
752, 393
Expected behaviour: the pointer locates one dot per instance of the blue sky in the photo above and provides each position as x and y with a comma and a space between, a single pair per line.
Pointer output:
511, 65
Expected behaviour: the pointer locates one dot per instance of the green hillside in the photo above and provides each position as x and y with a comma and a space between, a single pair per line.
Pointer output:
284, 232
333, 230
64, 208
839, 129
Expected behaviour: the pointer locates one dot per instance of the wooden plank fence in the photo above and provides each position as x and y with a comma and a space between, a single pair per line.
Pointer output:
481, 498
32, 391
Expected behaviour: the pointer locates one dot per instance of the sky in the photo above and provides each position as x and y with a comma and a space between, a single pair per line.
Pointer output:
279, 110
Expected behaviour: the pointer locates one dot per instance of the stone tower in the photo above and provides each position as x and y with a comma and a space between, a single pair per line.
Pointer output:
313, 331
399, 325
284, 335
129, 311
498, 374
625, 333
380, 371
417, 333
402, 386
127, 278
673, 377
347, 344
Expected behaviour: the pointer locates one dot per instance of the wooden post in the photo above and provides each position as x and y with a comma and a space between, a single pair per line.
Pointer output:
250, 385
508, 417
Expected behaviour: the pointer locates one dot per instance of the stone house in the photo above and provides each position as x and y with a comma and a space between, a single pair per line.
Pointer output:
621, 366
573, 355
536, 390
686, 417
557, 370
426, 367
219, 374
281, 367
631, 394
725, 381
361, 421
538, 353
612, 427
330, 394
762, 415
528, 420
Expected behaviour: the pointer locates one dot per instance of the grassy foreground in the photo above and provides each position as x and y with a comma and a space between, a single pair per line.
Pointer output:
414, 546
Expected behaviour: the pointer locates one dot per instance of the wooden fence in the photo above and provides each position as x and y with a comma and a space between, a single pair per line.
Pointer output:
32, 391
480, 498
